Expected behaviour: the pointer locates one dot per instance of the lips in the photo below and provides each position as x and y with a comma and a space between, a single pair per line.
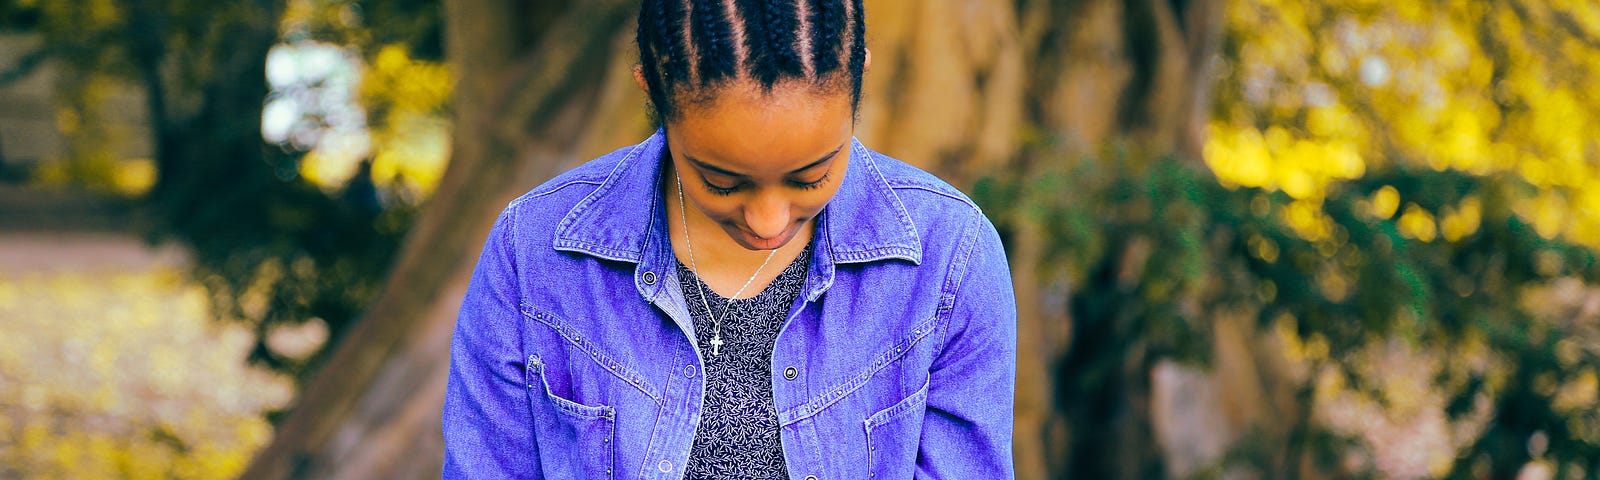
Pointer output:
757, 243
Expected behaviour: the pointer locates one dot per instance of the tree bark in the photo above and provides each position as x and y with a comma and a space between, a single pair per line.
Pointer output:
534, 80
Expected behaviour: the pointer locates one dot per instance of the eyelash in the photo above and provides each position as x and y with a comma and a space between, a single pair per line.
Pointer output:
716, 190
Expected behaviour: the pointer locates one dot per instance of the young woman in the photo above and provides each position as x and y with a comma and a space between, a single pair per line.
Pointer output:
749, 293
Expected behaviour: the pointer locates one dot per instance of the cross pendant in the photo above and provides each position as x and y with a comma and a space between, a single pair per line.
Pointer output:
716, 345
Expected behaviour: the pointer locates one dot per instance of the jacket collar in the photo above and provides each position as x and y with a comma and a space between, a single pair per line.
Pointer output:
624, 219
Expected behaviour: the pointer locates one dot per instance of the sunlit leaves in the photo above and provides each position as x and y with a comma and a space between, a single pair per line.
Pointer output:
412, 134
1477, 87
1474, 124
400, 102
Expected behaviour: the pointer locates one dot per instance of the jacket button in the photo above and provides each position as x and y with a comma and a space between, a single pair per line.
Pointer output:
688, 371
649, 278
811, 477
665, 466
791, 372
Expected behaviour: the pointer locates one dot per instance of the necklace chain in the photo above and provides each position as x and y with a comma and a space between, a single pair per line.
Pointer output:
716, 325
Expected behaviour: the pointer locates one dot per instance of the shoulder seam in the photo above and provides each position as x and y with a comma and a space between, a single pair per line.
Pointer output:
550, 189
936, 191
956, 276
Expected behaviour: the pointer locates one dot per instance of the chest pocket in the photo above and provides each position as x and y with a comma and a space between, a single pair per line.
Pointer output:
893, 434
576, 440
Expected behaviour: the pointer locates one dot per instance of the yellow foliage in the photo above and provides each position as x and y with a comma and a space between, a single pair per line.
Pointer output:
1418, 223
1385, 202
1277, 160
1307, 220
1238, 156
413, 139
1266, 250
1579, 395
1463, 220
1548, 212
1415, 84
136, 176
407, 138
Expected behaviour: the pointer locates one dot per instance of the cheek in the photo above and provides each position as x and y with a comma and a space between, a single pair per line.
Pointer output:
809, 206
809, 203
720, 209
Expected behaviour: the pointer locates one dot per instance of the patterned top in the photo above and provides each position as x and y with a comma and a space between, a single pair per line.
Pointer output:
738, 433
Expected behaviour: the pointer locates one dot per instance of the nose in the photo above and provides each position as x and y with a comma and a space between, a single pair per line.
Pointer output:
767, 215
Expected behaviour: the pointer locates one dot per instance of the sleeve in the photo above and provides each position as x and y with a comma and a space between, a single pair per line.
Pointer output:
966, 431
487, 424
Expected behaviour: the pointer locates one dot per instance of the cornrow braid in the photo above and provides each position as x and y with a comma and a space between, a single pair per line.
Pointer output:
710, 32
752, 17
858, 49
672, 57
657, 41
780, 24
690, 48
827, 21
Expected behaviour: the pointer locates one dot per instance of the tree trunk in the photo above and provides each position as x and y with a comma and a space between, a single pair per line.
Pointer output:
962, 88
535, 79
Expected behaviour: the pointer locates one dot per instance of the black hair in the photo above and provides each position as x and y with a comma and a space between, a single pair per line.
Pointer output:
690, 48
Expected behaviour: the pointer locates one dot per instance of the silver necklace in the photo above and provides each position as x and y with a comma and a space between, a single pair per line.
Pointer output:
716, 325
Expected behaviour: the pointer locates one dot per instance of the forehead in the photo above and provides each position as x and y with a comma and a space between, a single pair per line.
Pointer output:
746, 128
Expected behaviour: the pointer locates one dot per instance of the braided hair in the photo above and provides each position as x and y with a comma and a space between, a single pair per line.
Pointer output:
690, 48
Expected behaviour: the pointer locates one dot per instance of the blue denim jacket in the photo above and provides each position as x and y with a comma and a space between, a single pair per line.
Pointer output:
572, 356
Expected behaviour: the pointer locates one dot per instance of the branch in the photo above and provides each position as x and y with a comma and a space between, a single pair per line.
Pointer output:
1571, 26
24, 66
1563, 20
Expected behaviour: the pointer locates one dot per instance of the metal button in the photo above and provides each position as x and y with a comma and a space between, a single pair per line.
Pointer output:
649, 278
688, 371
811, 477
791, 372
665, 466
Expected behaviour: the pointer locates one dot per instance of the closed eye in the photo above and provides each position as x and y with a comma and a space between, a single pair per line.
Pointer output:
711, 170
812, 185
724, 191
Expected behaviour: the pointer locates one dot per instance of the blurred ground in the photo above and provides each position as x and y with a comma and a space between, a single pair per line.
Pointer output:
110, 366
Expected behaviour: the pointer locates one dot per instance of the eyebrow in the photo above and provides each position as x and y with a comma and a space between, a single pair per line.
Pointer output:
724, 171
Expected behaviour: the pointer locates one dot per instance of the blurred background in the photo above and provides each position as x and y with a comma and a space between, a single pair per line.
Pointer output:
1252, 239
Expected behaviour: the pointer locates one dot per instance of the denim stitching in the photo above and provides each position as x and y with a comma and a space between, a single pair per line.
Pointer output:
628, 375
955, 277
833, 395
599, 251
883, 417
900, 210
585, 412
875, 254
589, 200
910, 184
552, 189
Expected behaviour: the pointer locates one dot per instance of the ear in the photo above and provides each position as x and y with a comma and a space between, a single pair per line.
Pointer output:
638, 77
866, 64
